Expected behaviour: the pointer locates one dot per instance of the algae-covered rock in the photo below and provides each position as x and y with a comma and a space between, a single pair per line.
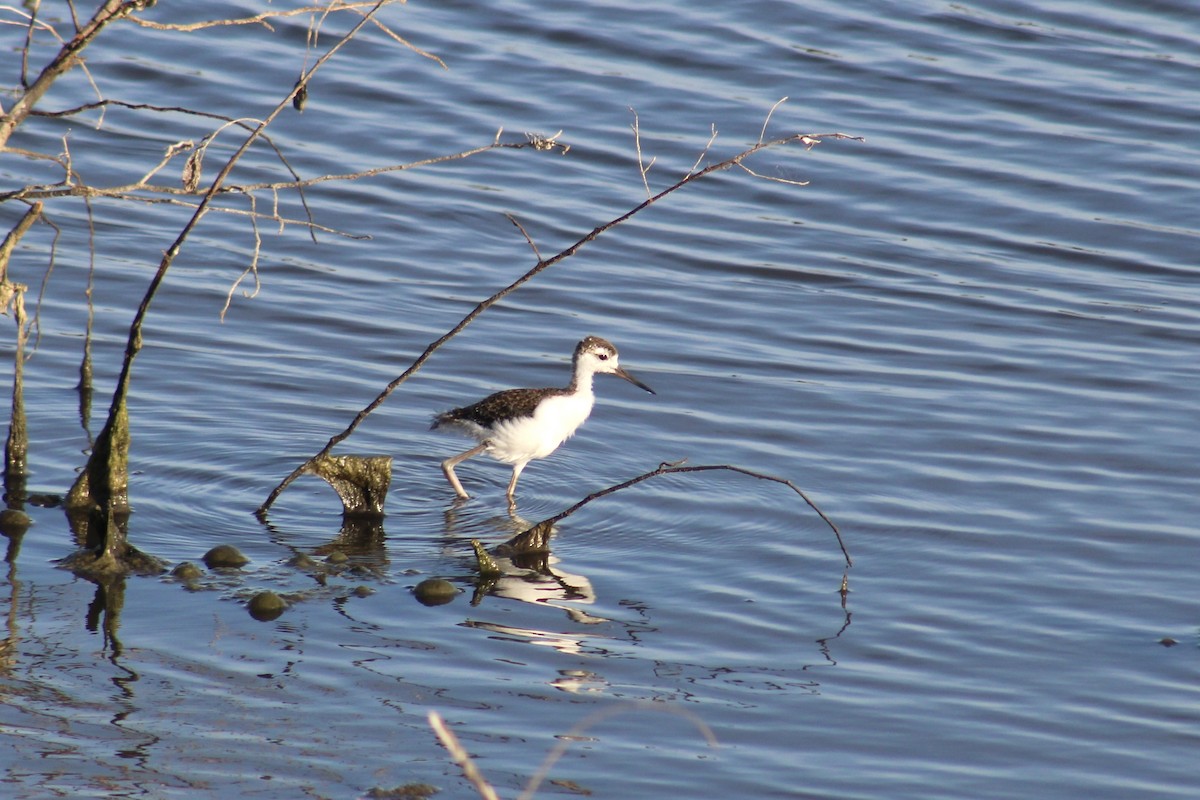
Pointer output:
266, 606
225, 555
187, 571
361, 482
14, 522
435, 591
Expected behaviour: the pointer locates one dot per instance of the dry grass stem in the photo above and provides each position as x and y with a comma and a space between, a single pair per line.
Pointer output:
599, 716
461, 757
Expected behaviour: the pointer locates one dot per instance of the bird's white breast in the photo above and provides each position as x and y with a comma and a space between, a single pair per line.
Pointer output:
526, 438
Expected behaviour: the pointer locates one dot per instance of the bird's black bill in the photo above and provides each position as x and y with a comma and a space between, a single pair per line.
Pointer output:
623, 374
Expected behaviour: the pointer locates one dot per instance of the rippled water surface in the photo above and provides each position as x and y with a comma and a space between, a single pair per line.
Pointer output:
971, 339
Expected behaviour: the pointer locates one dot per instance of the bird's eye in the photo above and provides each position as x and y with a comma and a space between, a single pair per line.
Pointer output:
602, 356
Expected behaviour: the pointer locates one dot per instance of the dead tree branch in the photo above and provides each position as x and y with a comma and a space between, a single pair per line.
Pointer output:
110, 492
68, 56
127, 191
264, 18
676, 468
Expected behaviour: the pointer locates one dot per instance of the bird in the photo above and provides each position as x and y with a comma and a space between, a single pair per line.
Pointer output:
516, 426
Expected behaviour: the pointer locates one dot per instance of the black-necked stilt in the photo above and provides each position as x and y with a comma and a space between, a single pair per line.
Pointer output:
516, 426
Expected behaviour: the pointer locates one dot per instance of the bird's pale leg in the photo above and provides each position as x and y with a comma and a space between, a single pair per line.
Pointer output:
512, 483
450, 463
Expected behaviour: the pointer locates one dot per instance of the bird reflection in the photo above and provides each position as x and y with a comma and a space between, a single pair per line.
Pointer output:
527, 570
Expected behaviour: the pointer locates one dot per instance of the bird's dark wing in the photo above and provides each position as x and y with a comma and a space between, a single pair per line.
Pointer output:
510, 403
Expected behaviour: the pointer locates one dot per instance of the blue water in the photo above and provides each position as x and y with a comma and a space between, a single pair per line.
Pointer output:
970, 339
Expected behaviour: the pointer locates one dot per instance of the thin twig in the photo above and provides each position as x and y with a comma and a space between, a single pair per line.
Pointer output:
676, 467
763, 133
408, 44
253, 268
643, 168
41, 192
788, 181
712, 138
532, 245
808, 140
261, 19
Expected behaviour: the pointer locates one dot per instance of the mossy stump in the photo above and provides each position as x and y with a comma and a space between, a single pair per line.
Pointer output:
361, 482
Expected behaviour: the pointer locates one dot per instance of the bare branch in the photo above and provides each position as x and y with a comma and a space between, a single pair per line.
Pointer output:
10, 243
253, 268
707, 146
763, 133
675, 468
171, 152
68, 56
42, 192
259, 19
408, 44
772, 178
536, 253
643, 168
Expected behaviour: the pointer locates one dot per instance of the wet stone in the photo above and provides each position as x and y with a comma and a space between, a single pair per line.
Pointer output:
266, 606
302, 561
14, 522
225, 555
435, 591
187, 571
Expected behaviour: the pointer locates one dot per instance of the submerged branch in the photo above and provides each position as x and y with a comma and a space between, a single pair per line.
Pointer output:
12, 295
807, 140
676, 468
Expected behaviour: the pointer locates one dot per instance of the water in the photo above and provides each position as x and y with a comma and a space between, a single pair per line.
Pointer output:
970, 339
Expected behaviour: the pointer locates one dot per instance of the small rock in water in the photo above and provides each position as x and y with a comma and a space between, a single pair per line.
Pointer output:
225, 555
435, 591
266, 606
13, 522
187, 571
302, 561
